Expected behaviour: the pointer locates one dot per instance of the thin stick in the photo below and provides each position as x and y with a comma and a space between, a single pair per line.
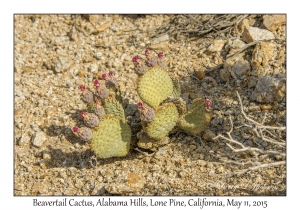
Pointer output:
256, 123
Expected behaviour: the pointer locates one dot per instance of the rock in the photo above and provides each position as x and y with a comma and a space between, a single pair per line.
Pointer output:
101, 28
79, 184
160, 39
98, 55
25, 139
93, 68
98, 189
254, 34
160, 43
38, 139
61, 40
252, 81
244, 24
73, 34
225, 75
200, 74
19, 187
273, 22
228, 64
254, 109
94, 19
28, 69
208, 135
159, 46
235, 45
128, 184
269, 89
37, 188
265, 108
216, 46
185, 96
241, 67
262, 53
61, 63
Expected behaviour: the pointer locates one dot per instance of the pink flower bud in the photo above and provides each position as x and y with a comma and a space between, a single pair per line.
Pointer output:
96, 83
160, 55
147, 52
83, 114
81, 87
140, 105
111, 74
75, 129
136, 59
208, 102
104, 76
98, 102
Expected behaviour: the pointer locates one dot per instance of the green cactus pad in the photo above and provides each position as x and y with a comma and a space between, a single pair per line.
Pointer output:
114, 107
196, 118
165, 119
155, 86
176, 86
179, 103
111, 138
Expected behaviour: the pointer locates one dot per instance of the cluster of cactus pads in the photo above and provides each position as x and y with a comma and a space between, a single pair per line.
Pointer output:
106, 129
161, 110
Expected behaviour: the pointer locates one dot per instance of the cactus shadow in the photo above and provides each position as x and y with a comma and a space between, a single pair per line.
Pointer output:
81, 159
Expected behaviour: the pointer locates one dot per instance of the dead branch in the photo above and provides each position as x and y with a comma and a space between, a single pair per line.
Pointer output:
266, 165
258, 129
254, 122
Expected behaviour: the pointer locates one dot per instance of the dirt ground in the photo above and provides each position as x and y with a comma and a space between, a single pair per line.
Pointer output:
220, 57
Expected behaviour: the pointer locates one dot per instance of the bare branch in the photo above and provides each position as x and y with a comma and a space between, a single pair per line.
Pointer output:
254, 122
254, 168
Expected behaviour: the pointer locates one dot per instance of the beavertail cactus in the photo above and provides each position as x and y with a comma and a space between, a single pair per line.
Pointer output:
106, 129
111, 138
176, 86
87, 96
113, 107
99, 110
154, 86
179, 103
197, 117
150, 59
139, 65
161, 61
147, 113
110, 79
102, 92
90, 119
164, 121
84, 133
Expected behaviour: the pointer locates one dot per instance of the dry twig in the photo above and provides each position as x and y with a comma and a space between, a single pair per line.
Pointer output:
258, 129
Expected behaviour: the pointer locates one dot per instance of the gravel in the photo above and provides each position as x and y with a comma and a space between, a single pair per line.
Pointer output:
54, 54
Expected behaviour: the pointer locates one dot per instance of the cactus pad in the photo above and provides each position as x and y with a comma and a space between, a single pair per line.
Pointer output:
113, 107
176, 87
154, 86
111, 138
179, 103
165, 119
196, 118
